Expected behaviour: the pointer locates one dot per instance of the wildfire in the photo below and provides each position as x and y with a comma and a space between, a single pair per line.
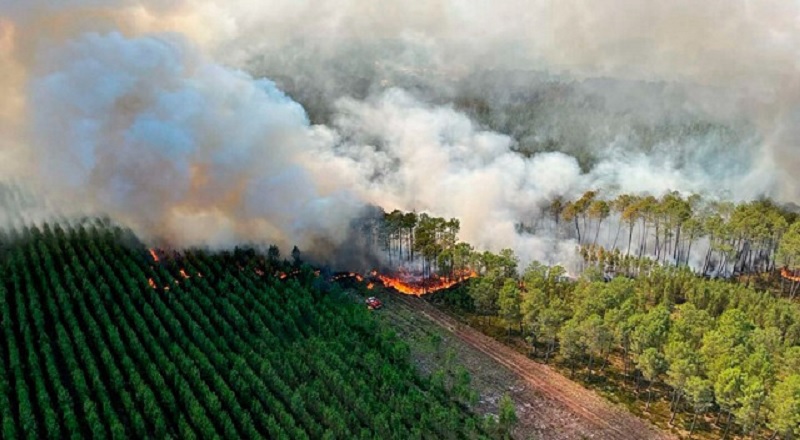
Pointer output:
340, 276
419, 287
184, 274
370, 286
154, 255
790, 275
151, 283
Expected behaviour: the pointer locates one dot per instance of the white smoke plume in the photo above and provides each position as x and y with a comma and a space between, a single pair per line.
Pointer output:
144, 110
150, 131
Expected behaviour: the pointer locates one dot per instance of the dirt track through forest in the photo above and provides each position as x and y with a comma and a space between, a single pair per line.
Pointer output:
606, 421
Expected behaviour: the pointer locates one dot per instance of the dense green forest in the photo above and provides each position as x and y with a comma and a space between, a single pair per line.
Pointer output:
680, 299
101, 341
715, 350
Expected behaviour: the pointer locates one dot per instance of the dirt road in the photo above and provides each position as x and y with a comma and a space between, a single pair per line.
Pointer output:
595, 415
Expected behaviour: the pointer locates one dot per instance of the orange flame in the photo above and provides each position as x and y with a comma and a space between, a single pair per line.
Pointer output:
184, 274
425, 286
151, 283
153, 254
357, 276
370, 286
790, 274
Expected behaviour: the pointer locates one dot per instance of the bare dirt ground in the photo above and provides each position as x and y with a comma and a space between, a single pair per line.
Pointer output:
549, 405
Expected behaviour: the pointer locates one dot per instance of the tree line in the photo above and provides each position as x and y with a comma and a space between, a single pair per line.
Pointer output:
705, 346
715, 237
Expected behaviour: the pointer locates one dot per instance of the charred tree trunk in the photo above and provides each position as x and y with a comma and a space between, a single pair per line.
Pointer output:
643, 240
597, 232
727, 426
550, 347
616, 236
707, 260
674, 406
676, 251
694, 421
630, 239
658, 242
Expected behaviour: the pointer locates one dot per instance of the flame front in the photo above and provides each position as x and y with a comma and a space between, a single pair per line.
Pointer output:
790, 275
422, 287
153, 254
341, 276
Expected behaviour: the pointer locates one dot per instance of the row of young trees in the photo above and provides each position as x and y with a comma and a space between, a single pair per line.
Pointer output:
716, 237
101, 341
705, 346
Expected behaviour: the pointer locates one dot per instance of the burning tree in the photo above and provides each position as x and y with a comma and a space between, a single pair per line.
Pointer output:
789, 256
434, 239
423, 251
397, 234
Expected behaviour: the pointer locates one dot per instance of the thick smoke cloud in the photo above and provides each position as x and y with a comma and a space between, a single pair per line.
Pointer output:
154, 134
149, 130
396, 151
481, 110
571, 76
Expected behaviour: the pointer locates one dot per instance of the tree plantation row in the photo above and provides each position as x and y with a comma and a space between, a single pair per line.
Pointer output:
100, 341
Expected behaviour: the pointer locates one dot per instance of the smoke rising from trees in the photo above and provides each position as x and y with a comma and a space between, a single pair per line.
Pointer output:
151, 111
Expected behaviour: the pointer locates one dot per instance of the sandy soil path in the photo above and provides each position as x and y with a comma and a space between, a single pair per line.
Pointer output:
604, 420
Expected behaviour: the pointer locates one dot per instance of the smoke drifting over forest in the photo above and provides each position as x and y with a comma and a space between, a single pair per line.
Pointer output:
212, 123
